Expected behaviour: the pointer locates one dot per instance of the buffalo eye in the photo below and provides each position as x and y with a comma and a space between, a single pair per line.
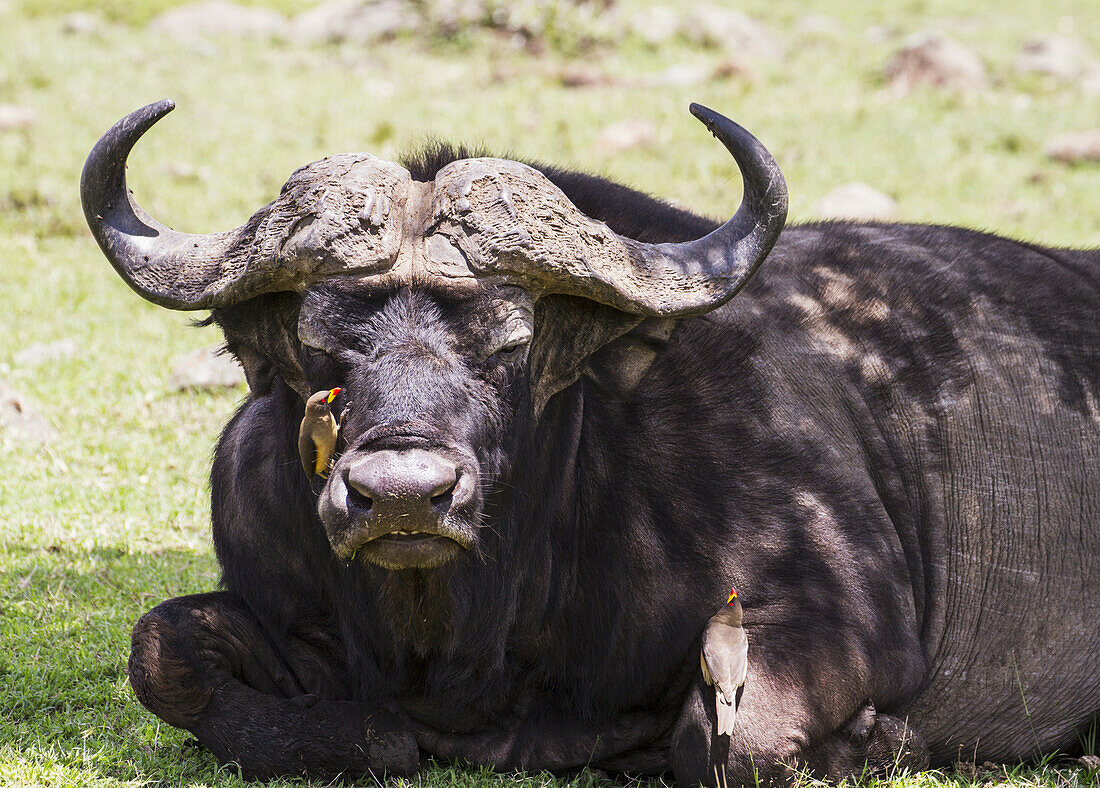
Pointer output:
314, 355
514, 348
318, 365
511, 352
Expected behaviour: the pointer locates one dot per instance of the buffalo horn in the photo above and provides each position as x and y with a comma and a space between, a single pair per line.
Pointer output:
172, 269
185, 271
690, 278
516, 224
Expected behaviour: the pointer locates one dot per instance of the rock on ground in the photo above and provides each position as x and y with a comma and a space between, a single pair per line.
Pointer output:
19, 418
14, 117
1056, 56
219, 18
206, 368
655, 24
739, 35
856, 201
355, 21
1075, 147
1090, 81
932, 59
82, 23
682, 75
38, 353
626, 134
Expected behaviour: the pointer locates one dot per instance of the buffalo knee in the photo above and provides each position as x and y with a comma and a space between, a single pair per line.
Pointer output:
166, 681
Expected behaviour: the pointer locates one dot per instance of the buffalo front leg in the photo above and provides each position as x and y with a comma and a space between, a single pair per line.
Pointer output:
869, 744
780, 733
202, 663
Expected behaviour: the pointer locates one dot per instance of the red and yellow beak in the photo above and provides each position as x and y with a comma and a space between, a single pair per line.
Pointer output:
733, 596
332, 395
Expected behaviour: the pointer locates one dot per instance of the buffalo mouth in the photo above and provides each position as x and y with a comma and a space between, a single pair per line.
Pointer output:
409, 550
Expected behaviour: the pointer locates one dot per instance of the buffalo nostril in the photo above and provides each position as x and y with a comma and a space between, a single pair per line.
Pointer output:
443, 492
357, 500
442, 502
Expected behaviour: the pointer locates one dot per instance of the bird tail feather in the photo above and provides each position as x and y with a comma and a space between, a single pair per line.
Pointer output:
727, 713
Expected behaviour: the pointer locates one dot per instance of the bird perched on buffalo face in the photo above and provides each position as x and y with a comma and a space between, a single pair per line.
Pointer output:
725, 660
317, 434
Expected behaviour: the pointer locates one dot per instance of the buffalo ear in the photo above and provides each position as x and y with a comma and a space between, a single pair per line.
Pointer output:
262, 333
619, 366
258, 371
576, 336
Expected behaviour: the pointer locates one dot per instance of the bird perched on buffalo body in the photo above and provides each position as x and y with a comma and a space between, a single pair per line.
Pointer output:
317, 434
725, 660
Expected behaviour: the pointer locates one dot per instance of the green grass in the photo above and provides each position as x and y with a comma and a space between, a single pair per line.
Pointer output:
112, 516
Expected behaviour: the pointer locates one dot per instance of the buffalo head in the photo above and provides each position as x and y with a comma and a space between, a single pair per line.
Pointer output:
448, 312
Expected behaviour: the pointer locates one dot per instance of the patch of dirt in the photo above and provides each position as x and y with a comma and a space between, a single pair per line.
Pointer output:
20, 419
1075, 147
932, 59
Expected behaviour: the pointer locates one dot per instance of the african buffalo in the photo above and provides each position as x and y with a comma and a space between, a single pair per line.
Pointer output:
560, 446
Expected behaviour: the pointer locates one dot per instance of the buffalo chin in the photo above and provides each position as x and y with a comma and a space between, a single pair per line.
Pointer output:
425, 551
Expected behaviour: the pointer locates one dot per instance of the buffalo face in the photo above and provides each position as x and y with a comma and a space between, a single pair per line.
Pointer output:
446, 311
431, 383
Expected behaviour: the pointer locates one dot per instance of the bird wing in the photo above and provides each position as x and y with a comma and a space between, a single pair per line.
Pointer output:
307, 449
726, 655
706, 673
324, 438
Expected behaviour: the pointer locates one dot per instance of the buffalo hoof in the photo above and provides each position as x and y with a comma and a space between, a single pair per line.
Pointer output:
869, 744
894, 747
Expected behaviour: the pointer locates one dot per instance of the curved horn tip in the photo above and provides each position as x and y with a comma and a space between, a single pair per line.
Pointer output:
159, 108
164, 105
705, 114
146, 116
116, 143
715, 121
759, 168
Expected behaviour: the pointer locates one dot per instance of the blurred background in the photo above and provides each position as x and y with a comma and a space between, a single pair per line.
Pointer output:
966, 112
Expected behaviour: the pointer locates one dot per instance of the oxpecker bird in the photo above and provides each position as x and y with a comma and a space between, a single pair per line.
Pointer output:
725, 660
317, 434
